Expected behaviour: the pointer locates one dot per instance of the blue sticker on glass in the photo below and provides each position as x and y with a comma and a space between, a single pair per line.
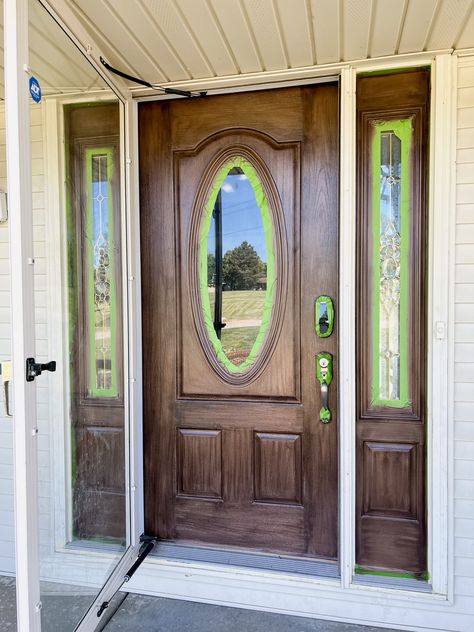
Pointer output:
35, 89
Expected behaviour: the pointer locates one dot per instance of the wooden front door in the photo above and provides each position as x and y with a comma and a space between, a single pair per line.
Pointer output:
235, 451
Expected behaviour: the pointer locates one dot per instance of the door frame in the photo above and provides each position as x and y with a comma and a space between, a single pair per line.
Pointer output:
440, 352
440, 383
440, 328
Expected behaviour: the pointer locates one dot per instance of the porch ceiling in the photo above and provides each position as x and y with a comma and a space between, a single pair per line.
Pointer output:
178, 40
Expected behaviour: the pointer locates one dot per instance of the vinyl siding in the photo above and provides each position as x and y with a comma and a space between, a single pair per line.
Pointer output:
464, 337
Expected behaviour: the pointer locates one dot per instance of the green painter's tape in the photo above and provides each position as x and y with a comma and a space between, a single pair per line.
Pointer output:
262, 203
403, 130
113, 390
360, 570
330, 316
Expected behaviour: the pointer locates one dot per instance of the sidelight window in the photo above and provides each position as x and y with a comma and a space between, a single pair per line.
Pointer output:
100, 271
391, 243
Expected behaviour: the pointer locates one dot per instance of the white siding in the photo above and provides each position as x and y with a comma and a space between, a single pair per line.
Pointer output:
7, 559
464, 337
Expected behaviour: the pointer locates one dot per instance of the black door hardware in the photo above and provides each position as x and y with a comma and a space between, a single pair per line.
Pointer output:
33, 369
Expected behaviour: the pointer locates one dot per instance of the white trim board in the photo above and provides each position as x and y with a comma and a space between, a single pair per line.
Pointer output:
20, 226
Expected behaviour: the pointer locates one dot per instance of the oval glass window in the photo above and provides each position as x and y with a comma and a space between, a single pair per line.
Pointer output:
237, 265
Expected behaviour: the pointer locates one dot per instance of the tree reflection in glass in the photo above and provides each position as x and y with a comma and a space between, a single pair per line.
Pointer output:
237, 266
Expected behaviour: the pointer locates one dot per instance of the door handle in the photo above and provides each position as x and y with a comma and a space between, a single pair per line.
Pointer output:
324, 371
6, 373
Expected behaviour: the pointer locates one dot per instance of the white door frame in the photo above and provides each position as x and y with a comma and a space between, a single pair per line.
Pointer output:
25, 431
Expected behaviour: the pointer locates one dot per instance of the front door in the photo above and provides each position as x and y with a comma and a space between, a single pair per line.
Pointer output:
239, 236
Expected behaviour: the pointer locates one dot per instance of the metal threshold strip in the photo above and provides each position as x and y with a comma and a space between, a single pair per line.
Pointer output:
243, 559
397, 583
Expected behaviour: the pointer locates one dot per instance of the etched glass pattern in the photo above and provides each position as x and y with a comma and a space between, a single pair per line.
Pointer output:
390, 239
102, 274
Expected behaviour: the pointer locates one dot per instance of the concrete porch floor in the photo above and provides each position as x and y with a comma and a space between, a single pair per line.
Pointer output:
64, 605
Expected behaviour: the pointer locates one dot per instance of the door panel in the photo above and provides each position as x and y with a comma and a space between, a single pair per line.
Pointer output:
391, 354
240, 458
96, 362
279, 375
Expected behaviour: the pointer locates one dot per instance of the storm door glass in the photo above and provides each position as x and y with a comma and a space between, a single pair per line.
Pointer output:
76, 176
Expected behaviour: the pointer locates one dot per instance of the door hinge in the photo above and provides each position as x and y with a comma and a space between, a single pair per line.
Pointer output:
33, 369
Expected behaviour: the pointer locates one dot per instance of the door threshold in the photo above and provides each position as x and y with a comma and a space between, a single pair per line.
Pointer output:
397, 583
245, 559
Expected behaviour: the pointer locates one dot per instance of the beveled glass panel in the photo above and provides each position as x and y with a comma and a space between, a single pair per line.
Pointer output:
389, 342
102, 292
237, 266
391, 218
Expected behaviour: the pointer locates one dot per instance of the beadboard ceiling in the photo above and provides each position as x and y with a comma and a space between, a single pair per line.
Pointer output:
178, 40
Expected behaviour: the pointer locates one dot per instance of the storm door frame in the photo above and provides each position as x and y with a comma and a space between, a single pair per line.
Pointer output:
27, 557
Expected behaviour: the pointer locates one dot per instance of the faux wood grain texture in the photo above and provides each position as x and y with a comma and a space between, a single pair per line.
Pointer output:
385, 463
391, 442
97, 422
199, 463
278, 468
279, 463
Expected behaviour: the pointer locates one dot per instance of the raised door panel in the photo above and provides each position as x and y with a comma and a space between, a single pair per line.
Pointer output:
199, 463
278, 468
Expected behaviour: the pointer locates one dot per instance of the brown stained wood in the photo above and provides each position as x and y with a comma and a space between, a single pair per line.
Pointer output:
319, 246
391, 442
277, 468
98, 423
199, 457
279, 462
279, 116
250, 415
158, 318
274, 162
262, 526
385, 463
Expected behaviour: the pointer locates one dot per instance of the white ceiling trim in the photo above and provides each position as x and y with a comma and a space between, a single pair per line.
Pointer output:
280, 77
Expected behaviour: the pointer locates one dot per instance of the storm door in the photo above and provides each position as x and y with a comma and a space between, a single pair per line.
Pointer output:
68, 375
239, 233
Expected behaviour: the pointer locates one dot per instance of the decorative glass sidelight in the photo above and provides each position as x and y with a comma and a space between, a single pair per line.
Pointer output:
237, 265
101, 289
391, 243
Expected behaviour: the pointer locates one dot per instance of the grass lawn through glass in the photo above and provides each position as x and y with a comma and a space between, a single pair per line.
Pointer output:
242, 313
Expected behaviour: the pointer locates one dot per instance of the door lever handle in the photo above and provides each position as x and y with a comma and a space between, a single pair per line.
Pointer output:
6, 373
324, 375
